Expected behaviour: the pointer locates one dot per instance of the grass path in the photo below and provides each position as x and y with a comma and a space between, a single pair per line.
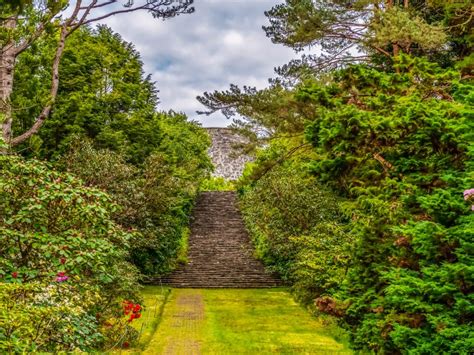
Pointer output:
240, 321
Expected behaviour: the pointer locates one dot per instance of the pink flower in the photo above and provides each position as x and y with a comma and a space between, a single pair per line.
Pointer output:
62, 277
468, 194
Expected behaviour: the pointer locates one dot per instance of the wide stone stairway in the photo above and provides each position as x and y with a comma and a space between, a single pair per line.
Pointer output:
220, 254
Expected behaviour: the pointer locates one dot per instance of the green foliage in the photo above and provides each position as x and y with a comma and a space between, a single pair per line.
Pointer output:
397, 25
297, 229
374, 31
399, 149
216, 184
386, 244
103, 95
274, 108
156, 197
62, 260
182, 253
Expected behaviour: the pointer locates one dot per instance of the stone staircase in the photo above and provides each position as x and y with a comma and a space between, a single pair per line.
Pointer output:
220, 254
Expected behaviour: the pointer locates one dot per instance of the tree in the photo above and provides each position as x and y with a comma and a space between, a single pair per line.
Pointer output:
269, 111
373, 31
103, 95
22, 23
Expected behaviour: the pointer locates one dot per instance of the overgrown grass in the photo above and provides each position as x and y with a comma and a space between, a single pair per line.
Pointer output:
182, 256
242, 321
217, 184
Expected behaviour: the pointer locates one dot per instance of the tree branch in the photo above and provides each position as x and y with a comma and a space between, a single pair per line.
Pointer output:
84, 16
100, 5
143, 7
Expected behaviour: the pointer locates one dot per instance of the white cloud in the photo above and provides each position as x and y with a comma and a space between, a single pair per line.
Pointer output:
221, 43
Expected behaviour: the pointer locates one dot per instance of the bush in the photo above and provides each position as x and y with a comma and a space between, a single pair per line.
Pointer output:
399, 148
297, 230
63, 262
396, 151
156, 197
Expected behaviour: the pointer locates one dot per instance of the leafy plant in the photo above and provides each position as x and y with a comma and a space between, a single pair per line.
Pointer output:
398, 149
297, 229
62, 260
157, 196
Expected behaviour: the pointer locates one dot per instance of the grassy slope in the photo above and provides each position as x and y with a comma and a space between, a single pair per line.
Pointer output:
241, 321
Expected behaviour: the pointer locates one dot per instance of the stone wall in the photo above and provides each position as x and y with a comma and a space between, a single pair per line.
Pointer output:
228, 161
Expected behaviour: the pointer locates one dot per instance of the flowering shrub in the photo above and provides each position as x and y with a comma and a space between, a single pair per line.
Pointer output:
469, 196
62, 260
117, 330
131, 309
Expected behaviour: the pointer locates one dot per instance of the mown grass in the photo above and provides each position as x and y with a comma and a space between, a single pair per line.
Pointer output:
242, 321
265, 321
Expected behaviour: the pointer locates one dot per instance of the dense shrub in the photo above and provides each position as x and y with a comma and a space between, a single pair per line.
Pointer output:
297, 230
156, 197
63, 267
399, 148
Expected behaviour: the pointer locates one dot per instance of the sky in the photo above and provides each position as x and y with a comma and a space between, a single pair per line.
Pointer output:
221, 43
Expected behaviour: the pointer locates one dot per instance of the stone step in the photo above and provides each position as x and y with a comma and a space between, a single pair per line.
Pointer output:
220, 254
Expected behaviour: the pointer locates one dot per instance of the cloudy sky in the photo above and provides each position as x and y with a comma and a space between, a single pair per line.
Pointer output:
221, 43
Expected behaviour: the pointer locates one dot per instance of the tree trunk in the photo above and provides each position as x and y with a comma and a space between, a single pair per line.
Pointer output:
53, 92
7, 66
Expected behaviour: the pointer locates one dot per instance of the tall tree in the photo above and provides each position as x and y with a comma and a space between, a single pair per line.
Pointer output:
103, 95
353, 31
24, 22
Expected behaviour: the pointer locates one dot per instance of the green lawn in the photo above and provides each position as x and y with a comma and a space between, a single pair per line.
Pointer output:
239, 321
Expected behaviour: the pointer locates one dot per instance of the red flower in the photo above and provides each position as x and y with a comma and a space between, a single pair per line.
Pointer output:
132, 309
125, 344
62, 261
14, 275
